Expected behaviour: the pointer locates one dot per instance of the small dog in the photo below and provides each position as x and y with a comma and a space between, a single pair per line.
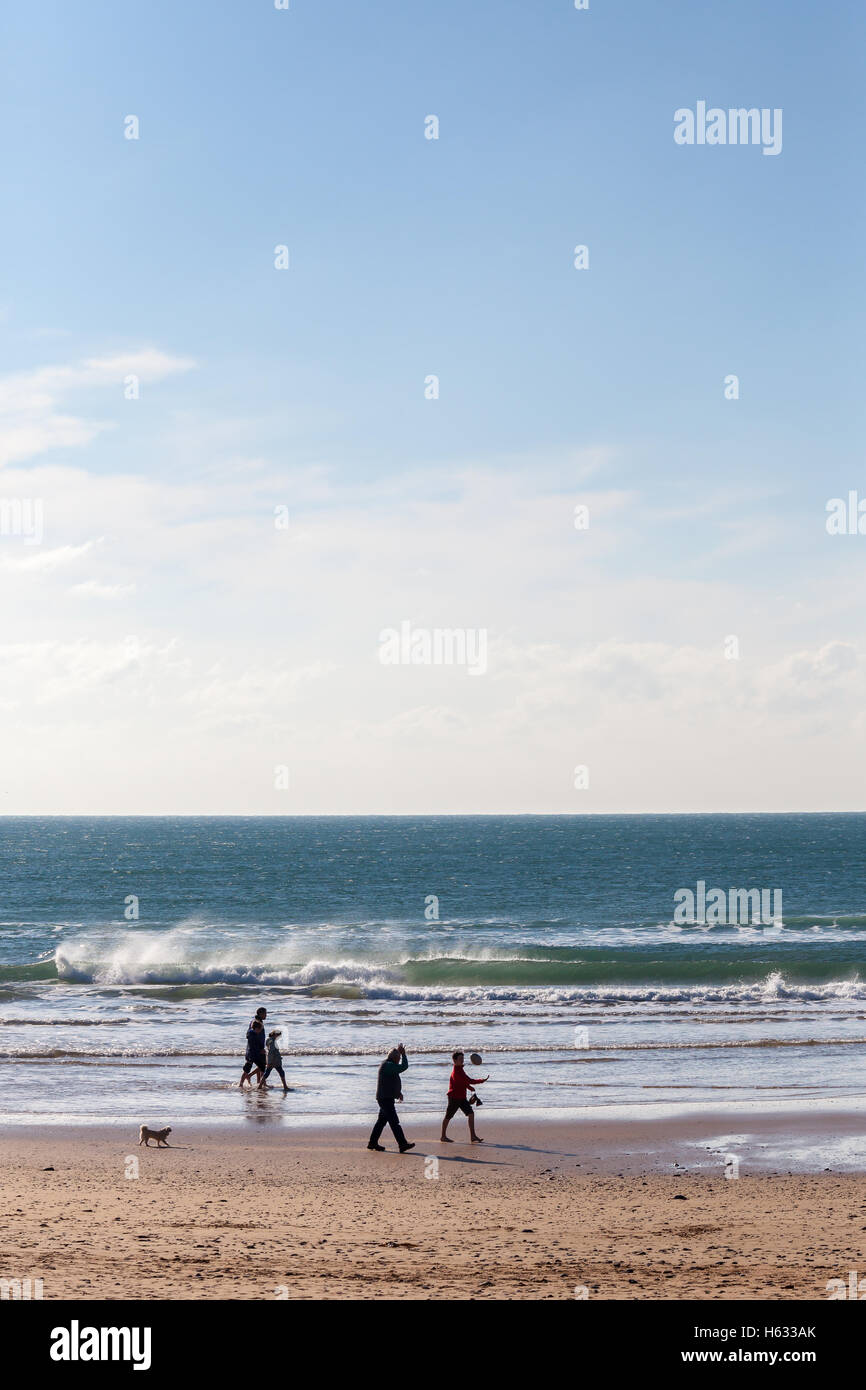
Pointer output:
160, 1135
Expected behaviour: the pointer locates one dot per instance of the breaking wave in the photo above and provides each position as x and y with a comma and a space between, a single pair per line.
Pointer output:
548, 975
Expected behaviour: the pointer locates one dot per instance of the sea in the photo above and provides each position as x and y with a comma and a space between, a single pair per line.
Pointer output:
597, 963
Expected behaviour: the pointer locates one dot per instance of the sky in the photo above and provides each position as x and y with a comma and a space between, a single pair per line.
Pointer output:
245, 473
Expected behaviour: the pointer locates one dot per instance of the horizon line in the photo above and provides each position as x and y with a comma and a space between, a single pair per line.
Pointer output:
390, 815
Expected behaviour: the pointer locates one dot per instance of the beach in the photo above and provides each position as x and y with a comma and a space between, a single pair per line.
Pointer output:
674, 1110
432, 679
596, 1210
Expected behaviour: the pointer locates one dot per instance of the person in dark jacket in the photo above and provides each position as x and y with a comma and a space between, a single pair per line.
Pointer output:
388, 1091
255, 1058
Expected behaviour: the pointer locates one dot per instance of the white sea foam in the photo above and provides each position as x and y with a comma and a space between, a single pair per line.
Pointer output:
176, 958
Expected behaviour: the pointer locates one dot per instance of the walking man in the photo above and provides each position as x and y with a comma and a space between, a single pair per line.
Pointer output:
388, 1091
255, 1058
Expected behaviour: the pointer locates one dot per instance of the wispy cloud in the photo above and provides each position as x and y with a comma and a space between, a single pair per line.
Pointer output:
32, 420
46, 561
91, 588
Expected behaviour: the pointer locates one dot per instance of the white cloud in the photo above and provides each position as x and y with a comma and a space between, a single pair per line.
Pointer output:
90, 588
31, 422
254, 647
48, 560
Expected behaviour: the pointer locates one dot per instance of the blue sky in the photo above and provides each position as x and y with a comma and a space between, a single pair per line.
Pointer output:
305, 387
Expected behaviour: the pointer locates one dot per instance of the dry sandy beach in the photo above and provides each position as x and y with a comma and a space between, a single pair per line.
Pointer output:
540, 1211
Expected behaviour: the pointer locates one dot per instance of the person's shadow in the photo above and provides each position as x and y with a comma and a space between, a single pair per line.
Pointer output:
461, 1158
528, 1149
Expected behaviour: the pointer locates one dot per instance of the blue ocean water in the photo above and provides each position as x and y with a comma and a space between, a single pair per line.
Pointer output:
549, 944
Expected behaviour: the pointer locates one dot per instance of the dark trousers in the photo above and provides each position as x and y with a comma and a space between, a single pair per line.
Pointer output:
280, 1073
388, 1116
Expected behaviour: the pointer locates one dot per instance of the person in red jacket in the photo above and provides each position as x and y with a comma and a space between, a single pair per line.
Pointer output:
459, 1084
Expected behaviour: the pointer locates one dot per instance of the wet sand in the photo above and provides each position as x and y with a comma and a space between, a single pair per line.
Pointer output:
625, 1210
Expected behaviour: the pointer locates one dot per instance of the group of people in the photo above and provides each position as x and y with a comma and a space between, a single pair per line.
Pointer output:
263, 1056
390, 1089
